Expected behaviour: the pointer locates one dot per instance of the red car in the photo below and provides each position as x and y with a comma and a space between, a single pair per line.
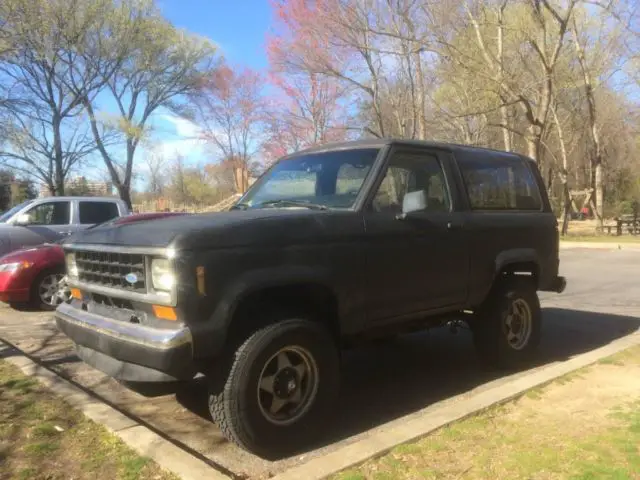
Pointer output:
36, 275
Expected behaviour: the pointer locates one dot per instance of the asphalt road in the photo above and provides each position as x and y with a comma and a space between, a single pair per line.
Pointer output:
379, 384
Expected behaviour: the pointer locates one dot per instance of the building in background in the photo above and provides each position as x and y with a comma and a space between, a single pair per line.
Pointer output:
80, 186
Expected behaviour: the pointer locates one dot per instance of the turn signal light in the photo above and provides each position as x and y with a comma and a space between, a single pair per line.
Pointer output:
166, 313
76, 293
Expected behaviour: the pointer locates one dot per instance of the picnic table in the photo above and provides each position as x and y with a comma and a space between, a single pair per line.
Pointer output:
624, 223
629, 222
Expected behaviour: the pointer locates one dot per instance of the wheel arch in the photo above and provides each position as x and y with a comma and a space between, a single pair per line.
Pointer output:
520, 261
251, 302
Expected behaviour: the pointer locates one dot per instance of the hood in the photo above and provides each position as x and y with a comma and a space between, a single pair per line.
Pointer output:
13, 237
33, 253
235, 228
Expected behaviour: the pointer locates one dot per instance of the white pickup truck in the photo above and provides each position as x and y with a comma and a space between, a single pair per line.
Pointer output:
50, 218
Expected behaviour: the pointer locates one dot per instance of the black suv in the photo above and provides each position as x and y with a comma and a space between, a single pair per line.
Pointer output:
330, 246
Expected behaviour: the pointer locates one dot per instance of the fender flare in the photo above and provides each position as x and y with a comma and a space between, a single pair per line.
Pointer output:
215, 330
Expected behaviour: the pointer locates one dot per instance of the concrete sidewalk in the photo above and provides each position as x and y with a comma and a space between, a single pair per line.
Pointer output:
632, 246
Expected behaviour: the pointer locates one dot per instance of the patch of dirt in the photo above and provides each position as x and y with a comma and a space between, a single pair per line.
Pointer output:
581, 403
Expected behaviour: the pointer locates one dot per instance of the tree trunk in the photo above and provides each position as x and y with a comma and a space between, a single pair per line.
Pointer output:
596, 162
599, 194
564, 175
124, 191
506, 134
58, 155
533, 142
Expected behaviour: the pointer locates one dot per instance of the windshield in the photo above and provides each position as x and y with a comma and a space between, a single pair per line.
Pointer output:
328, 179
9, 213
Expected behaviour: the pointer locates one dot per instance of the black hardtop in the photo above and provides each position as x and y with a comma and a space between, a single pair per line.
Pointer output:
391, 141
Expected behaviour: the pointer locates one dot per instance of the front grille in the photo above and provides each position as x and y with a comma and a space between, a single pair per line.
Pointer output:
111, 269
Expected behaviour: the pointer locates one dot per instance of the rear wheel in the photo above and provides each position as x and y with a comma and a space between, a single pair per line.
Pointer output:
508, 326
49, 290
281, 385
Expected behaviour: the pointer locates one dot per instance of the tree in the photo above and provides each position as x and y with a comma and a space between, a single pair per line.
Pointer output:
231, 110
164, 65
14, 190
157, 175
333, 39
306, 109
50, 70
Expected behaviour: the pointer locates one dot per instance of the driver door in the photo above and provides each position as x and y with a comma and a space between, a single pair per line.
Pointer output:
417, 264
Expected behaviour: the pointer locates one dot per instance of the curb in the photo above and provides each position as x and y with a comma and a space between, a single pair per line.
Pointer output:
600, 245
140, 438
401, 431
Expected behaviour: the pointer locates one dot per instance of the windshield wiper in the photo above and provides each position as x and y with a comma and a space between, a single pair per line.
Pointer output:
240, 206
293, 203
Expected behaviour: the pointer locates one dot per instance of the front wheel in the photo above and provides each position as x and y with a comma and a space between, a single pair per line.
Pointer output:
507, 328
281, 384
49, 290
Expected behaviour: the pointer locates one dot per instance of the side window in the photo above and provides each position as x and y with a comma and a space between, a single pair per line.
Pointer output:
410, 173
50, 213
97, 212
500, 184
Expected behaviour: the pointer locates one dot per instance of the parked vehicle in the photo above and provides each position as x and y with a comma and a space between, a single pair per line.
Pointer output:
45, 220
330, 246
36, 275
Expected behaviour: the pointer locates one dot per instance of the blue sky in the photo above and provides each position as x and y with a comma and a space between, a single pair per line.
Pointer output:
237, 26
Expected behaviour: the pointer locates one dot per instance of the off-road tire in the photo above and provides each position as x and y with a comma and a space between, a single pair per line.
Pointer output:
233, 403
488, 325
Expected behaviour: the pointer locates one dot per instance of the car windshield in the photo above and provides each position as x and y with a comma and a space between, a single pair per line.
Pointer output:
9, 213
316, 180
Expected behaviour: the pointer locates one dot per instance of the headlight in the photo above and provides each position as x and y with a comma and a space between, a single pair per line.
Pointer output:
161, 275
10, 267
72, 268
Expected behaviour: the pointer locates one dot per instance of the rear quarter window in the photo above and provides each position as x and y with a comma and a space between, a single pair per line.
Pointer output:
496, 182
97, 212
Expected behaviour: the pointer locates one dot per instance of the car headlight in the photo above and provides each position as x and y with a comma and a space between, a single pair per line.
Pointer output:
161, 275
11, 267
72, 268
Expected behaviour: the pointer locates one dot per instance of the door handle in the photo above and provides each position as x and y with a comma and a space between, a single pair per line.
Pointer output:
454, 226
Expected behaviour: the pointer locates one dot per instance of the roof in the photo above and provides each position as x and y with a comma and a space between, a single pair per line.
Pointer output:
381, 142
88, 197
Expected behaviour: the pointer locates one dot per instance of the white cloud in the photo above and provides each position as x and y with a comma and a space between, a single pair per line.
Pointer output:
183, 127
184, 137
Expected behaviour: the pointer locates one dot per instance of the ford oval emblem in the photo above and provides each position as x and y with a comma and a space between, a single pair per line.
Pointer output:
132, 278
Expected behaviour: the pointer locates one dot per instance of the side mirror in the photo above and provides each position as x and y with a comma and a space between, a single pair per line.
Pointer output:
413, 202
23, 219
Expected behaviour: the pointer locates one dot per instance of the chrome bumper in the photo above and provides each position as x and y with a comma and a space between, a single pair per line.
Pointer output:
157, 338
125, 350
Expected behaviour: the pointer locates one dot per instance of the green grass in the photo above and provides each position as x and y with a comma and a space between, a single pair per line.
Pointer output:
532, 437
43, 437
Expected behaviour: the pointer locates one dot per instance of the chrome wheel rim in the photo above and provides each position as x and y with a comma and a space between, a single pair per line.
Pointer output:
53, 290
518, 324
288, 385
